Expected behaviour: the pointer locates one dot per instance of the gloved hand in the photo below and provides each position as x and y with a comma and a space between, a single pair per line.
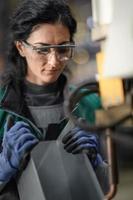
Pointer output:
16, 142
79, 141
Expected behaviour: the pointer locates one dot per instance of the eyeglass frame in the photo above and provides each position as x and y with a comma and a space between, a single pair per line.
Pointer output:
40, 49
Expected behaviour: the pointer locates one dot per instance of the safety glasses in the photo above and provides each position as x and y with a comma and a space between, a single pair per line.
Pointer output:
63, 52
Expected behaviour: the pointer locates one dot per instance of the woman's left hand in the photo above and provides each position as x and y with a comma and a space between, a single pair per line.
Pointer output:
79, 141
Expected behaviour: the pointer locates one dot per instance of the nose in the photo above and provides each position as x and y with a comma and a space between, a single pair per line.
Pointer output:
53, 59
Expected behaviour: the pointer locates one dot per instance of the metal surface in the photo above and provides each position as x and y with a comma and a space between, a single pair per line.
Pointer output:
52, 173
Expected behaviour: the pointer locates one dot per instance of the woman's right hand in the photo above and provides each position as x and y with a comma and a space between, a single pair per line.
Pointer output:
17, 141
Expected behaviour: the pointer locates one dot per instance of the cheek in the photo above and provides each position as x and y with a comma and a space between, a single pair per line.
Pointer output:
30, 59
32, 63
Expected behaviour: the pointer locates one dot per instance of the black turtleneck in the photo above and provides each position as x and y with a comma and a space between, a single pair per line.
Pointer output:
44, 95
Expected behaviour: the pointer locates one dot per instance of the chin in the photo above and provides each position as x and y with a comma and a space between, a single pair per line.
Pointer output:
51, 79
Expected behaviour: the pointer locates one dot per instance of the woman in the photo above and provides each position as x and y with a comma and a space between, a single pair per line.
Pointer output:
41, 44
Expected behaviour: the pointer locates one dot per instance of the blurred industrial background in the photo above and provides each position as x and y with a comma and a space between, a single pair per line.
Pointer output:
83, 68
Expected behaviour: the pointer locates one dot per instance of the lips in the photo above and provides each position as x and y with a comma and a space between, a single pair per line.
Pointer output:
50, 71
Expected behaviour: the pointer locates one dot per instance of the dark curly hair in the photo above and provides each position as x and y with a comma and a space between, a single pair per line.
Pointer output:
27, 15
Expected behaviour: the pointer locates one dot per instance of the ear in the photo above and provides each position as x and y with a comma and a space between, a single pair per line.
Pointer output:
20, 48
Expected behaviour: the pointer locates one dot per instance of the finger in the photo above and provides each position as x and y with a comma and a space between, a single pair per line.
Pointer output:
69, 148
23, 139
13, 137
82, 134
27, 146
79, 137
16, 134
71, 134
77, 150
18, 125
70, 141
66, 137
85, 140
75, 140
9, 123
83, 148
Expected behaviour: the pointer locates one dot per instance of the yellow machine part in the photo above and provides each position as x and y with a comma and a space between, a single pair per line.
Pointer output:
111, 89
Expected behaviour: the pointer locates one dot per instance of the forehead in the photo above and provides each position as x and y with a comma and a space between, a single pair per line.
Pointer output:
50, 34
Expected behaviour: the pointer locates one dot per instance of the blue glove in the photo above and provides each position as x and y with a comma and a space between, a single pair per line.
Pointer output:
16, 142
79, 141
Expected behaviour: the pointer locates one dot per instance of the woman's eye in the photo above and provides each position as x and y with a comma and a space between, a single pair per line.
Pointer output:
44, 51
63, 50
